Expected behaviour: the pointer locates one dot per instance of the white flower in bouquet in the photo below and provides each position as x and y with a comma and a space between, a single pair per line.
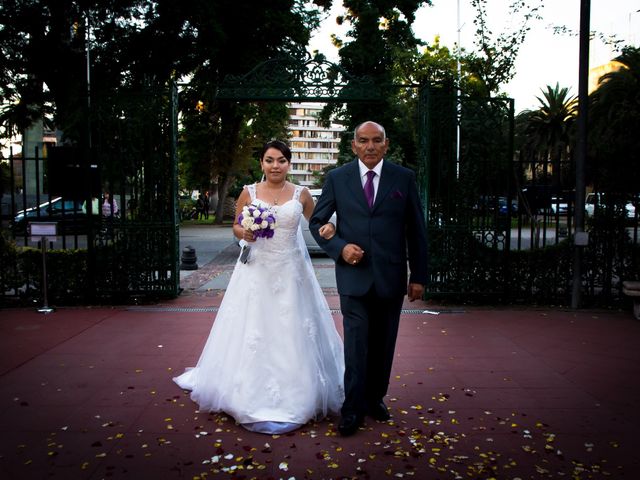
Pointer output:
259, 220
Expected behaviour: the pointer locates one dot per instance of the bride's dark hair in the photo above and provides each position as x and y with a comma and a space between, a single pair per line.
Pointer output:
278, 145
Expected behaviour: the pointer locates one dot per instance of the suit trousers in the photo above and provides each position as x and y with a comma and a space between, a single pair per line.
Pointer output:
370, 325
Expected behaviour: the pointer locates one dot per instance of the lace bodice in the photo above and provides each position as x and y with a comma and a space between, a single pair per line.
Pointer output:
287, 215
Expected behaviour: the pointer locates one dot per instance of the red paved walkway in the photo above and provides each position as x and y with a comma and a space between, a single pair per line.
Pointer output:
476, 393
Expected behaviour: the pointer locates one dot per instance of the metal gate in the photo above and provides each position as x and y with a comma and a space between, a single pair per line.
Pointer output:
468, 186
501, 225
137, 252
99, 255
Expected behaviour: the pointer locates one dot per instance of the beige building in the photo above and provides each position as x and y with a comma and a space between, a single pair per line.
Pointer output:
596, 73
313, 146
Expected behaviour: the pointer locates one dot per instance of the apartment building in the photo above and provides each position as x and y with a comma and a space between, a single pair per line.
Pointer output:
312, 146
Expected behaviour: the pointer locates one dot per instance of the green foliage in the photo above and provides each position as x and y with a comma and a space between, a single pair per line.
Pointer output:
614, 112
201, 161
134, 43
66, 274
8, 255
220, 138
5, 178
381, 46
44, 66
494, 63
548, 133
436, 65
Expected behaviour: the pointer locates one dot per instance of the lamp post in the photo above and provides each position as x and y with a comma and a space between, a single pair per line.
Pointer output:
581, 238
458, 94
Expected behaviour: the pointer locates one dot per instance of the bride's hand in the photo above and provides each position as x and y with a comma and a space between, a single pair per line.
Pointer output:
248, 236
327, 231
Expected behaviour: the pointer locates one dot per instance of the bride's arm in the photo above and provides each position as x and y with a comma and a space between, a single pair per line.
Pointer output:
307, 203
238, 230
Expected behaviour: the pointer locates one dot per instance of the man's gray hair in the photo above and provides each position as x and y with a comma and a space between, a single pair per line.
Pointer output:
355, 130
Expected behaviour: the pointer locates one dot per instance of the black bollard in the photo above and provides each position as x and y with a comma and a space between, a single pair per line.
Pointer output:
188, 260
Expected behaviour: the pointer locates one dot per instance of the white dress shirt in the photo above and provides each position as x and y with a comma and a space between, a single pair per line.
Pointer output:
376, 180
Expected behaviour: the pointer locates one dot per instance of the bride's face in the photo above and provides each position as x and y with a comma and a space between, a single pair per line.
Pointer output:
275, 165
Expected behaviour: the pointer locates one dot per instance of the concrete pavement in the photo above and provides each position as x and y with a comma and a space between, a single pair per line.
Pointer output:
218, 242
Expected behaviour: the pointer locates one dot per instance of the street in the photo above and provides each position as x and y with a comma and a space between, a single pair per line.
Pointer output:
211, 241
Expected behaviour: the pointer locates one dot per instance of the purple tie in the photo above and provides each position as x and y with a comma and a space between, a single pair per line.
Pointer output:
368, 187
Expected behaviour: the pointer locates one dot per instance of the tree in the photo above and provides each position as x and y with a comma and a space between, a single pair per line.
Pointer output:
614, 150
135, 44
232, 38
494, 62
44, 58
382, 47
547, 132
544, 137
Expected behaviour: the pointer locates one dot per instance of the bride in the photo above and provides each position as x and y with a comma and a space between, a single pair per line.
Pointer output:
274, 359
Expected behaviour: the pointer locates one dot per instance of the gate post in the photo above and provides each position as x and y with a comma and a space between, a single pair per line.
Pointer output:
423, 149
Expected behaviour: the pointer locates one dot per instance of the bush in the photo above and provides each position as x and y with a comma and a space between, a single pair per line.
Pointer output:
21, 276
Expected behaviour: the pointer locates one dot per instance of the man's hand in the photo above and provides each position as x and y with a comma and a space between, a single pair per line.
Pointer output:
327, 231
415, 291
352, 253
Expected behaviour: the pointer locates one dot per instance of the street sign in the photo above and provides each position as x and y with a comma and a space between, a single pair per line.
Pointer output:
44, 232
43, 229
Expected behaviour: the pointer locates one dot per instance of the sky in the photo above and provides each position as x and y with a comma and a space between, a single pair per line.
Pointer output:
544, 59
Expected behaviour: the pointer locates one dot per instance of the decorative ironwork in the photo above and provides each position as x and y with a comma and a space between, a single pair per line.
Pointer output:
467, 184
300, 78
138, 259
133, 252
137, 253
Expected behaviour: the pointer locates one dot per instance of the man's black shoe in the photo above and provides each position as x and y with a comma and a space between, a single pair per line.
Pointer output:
349, 424
378, 411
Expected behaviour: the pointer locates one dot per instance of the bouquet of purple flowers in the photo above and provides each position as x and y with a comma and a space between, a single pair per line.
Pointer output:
262, 221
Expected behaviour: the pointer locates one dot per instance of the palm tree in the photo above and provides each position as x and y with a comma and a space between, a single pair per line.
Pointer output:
545, 138
548, 130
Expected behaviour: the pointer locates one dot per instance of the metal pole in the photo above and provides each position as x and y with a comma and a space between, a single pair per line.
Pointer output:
45, 307
458, 95
581, 238
88, 69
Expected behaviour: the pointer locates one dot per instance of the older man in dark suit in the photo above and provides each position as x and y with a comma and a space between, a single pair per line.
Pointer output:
380, 223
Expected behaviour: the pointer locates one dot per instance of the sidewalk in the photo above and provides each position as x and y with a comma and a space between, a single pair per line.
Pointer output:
475, 393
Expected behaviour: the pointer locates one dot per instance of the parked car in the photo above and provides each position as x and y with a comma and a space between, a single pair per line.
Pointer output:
71, 216
559, 205
488, 204
503, 204
310, 242
592, 198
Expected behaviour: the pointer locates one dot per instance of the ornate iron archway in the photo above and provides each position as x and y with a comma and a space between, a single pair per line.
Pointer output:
300, 78
315, 79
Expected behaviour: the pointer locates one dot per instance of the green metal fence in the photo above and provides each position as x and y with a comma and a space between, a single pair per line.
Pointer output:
501, 224
137, 252
96, 257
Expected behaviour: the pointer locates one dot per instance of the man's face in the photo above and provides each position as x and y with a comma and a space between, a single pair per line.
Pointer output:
370, 144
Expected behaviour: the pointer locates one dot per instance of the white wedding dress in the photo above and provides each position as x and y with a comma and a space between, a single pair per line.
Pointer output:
274, 359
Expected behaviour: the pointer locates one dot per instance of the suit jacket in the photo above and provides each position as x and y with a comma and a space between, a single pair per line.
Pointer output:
389, 233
